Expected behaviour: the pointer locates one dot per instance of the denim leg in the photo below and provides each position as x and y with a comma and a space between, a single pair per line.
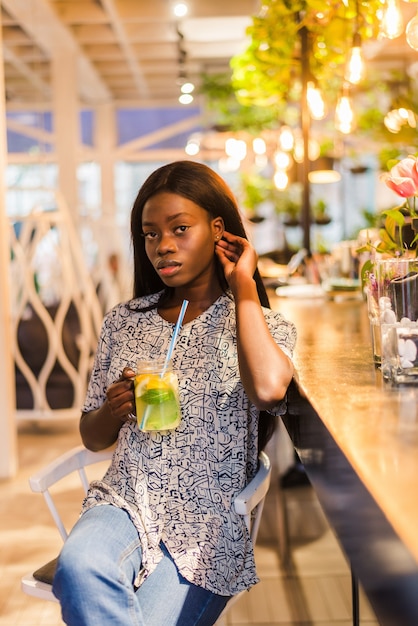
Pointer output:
97, 568
96, 571
168, 599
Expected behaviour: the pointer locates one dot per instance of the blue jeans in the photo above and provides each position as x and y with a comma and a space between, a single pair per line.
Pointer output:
96, 571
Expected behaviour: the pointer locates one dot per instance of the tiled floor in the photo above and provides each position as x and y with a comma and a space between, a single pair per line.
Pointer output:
316, 591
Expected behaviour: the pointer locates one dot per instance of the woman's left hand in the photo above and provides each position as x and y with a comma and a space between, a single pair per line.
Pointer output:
237, 256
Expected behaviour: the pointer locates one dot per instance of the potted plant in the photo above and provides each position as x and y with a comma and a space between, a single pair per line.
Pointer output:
288, 202
320, 212
255, 190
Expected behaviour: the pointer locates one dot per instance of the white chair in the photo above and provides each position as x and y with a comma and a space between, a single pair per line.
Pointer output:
249, 503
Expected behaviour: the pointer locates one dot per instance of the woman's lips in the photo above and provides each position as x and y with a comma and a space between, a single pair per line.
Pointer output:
167, 268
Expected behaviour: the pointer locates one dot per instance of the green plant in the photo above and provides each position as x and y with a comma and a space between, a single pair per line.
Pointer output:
226, 112
268, 72
255, 190
319, 210
288, 202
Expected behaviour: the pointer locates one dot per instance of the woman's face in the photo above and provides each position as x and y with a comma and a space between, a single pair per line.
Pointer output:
180, 239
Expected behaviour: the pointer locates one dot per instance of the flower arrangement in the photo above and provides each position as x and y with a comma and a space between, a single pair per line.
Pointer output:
390, 280
403, 180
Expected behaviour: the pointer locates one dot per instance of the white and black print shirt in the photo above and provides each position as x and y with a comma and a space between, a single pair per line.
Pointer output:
178, 487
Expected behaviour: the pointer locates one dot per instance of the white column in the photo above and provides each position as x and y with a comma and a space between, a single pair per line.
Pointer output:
105, 145
8, 430
66, 123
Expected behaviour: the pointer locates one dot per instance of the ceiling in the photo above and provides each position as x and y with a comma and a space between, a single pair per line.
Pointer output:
129, 51
132, 51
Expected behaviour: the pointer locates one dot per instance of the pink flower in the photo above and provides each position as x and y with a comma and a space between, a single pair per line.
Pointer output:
403, 177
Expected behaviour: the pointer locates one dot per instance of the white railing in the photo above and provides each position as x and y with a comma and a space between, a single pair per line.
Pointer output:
55, 311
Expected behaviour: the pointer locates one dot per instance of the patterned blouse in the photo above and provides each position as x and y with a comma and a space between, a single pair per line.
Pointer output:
179, 486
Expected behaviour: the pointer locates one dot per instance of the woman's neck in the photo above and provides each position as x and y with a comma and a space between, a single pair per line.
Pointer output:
198, 302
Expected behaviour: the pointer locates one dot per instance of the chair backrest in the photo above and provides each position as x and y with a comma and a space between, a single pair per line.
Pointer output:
75, 460
250, 501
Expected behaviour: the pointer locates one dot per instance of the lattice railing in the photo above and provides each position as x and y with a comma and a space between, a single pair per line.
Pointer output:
56, 314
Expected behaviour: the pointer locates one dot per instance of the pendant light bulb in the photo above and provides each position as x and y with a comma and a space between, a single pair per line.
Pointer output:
411, 33
280, 180
286, 139
344, 114
316, 104
356, 69
392, 20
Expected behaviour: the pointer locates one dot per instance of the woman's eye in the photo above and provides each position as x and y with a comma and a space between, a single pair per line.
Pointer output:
149, 235
181, 229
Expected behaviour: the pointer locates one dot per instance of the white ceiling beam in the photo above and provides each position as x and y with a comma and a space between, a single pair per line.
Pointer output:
23, 68
157, 136
48, 33
120, 34
39, 134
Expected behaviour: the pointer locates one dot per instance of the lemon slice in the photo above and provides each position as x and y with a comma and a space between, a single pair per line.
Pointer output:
152, 389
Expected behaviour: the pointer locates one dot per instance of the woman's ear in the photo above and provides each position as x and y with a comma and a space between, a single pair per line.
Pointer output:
218, 228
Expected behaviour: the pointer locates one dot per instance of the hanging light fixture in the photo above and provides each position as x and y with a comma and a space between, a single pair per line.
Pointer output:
286, 140
282, 160
193, 145
401, 112
395, 119
411, 32
392, 24
316, 104
180, 9
356, 68
259, 146
280, 179
186, 86
314, 150
236, 148
392, 20
344, 114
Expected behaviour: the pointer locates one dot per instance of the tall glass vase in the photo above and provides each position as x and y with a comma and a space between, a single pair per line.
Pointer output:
397, 296
374, 319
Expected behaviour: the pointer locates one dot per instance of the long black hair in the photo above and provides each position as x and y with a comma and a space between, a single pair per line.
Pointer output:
203, 186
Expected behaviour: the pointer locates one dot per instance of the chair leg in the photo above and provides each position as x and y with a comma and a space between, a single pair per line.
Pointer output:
282, 527
355, 599
280, 508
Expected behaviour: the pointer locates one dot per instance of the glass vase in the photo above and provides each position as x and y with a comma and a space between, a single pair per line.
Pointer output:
397, 294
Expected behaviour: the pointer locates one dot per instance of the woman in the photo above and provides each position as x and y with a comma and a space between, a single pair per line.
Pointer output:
165, 546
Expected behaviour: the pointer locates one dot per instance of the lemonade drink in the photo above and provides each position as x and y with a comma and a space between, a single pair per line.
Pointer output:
156, 398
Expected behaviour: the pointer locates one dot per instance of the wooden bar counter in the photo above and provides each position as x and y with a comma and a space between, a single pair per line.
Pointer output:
357, 437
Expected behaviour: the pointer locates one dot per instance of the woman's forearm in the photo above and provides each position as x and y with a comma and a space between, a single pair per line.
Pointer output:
99, 429
265, 369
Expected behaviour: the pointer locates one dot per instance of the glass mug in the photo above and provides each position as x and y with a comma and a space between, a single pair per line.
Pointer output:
156, 397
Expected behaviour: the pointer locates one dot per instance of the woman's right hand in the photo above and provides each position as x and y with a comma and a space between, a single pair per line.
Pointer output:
100, 427
120, 396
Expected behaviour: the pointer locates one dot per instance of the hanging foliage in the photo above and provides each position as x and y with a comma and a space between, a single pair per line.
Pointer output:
268, 72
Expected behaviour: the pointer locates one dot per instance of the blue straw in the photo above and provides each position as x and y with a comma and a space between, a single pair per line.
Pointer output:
175, 335
169, 354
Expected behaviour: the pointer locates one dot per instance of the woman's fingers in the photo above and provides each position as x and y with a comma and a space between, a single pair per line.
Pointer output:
234, 252
120, 397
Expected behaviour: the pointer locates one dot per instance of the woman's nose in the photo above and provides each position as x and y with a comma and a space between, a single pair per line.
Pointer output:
165, 244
